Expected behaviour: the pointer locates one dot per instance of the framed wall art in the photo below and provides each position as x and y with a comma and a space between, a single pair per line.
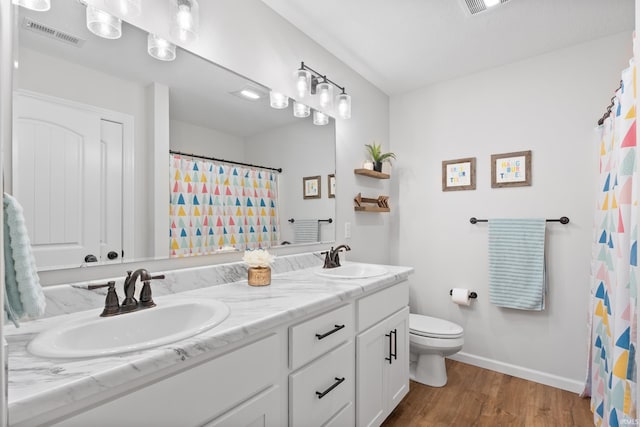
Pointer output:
311, 187
511, 169
459, 174
331, 185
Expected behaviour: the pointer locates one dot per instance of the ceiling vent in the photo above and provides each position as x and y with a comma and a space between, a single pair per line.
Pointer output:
47, 31
476, 6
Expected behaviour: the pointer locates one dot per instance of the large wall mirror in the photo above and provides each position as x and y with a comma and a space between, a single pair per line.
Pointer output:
88, 115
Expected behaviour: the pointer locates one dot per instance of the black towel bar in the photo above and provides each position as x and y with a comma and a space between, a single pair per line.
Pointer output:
561, 220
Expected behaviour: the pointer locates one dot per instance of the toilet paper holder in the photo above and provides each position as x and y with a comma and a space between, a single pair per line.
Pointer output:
471, 294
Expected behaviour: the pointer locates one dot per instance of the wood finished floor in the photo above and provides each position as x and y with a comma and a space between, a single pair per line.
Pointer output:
478, 397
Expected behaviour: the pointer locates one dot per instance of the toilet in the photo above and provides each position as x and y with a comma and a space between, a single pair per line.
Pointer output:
430, 341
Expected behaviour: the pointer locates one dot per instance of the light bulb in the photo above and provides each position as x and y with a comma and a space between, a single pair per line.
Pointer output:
344, 106
185, 25
278, 100
320, 119
103, 24
491, 3
303, 78
160, 48
128, 8
325, 91
301, 110
37, 5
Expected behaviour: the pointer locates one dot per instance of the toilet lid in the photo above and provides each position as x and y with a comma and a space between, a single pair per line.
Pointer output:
433, 327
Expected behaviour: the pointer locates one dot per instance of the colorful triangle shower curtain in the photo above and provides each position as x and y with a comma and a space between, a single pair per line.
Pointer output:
612, 373
218, 206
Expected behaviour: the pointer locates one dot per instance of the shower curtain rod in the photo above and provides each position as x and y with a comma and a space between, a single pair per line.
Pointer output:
608, 112
279, 170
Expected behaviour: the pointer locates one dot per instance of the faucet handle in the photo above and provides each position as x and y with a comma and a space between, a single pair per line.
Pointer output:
111, 302
146, 300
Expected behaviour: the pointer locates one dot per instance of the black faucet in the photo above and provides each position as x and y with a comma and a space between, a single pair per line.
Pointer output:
112, 306
332, 260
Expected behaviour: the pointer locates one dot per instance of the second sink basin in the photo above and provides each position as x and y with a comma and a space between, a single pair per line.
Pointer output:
87, 334
353, 271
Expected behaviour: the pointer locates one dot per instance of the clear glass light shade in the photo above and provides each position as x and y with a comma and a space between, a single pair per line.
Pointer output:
37, 5
103, 24
320, 119
325, 92
344, 106
303, 82
278, 100
186, 20
160, 48
301, 110
126, 7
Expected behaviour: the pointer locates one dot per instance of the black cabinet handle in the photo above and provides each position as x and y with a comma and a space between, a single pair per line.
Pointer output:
334, 385
112, 255
390, 358
333, 331
395, 344
90, 258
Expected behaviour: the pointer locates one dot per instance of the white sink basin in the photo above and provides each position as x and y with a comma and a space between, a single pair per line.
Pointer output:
87, 334
353, 271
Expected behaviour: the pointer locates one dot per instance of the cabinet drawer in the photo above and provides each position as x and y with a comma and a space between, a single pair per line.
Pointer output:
306, 407
375, 307
316, 336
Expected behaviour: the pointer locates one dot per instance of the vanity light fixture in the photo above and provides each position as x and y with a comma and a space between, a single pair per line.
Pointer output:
310, 81
160, 48
319, 118
301, 110
186, 20
344, 106
128, 8
103, 24
278, 100
37, 5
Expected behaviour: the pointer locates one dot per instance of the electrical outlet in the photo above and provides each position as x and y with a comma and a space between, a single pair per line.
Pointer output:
347, 230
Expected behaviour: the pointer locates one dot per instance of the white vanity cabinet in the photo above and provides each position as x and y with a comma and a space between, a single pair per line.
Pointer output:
382, 354
346, 366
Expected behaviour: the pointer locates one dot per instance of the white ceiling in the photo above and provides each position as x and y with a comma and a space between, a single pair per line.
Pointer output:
401, 45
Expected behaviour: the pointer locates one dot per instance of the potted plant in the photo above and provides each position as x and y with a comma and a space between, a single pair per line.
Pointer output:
376, 154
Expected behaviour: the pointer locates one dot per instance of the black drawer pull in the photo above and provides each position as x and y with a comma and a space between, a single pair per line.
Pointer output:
395, 344
390, 358
334, 385
333, 331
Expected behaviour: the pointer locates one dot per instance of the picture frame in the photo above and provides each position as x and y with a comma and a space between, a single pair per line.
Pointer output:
511, 169
311, 187
331, 186
459, 174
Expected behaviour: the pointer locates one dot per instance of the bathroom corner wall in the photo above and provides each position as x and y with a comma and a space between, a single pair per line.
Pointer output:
548, 104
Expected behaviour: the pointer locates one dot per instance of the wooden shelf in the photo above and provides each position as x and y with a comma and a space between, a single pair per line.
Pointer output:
371, 209
371, 174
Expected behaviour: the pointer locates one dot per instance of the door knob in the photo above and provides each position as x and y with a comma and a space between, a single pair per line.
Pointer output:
112, 255
90, 258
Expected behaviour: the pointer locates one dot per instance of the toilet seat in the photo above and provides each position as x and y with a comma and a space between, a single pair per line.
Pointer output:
432, 327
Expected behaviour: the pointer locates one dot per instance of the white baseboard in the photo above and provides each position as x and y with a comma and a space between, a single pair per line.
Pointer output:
520, 372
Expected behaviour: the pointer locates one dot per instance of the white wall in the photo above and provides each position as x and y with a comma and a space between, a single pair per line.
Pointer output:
190, 138
301, 149
548, 104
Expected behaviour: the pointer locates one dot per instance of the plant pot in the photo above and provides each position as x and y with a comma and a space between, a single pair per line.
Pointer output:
377, 166
259, 276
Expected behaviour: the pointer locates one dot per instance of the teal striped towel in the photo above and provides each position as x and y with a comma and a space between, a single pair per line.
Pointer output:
516, 263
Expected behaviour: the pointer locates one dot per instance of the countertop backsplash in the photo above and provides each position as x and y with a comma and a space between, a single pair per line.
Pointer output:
70, 298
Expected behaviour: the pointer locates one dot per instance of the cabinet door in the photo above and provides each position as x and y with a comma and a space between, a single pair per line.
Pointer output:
261, 411
383, 368
398, 371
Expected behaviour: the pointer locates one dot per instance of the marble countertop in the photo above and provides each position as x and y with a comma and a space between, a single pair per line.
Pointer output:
39, 385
